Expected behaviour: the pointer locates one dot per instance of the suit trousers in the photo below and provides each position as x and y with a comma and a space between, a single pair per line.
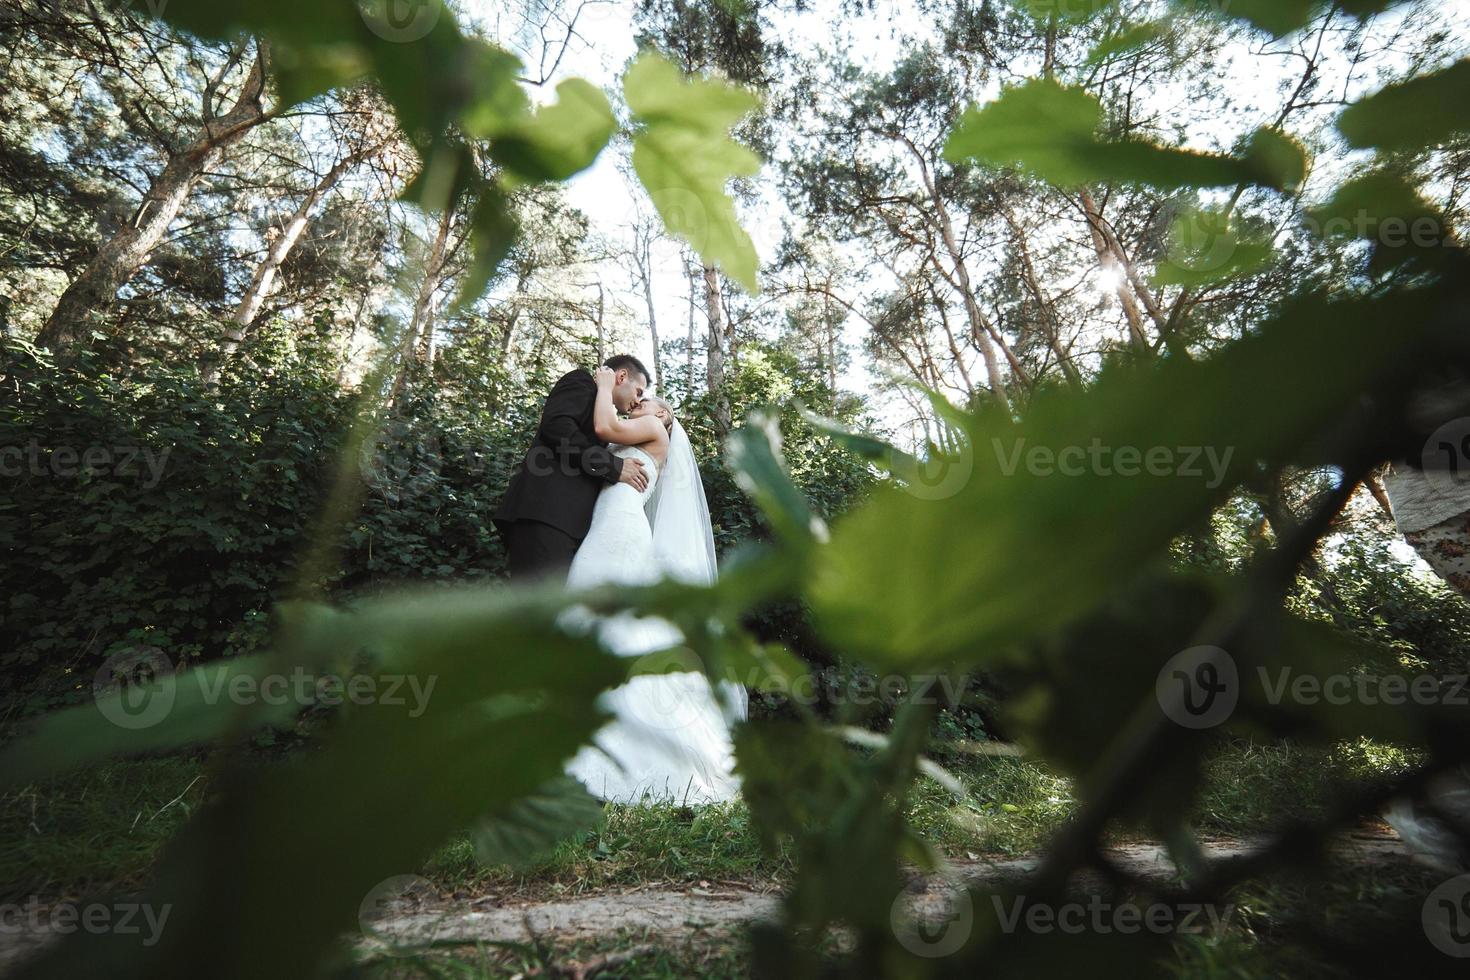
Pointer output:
538, 551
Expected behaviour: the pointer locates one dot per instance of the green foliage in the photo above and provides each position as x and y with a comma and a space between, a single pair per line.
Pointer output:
1052, 571
1420, 112
1017, 536
560, 139
185, 536
684, 156
178, 540
1275, 17
1053, 131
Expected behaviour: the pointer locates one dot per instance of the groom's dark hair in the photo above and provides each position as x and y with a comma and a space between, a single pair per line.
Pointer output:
619, 362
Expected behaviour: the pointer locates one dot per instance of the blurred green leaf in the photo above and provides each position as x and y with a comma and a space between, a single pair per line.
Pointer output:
492, 233
1419, 113
1131, 39
522, 833
309, 842
1204, 246
1277, 17
1052, 131
754, 457
560, 139
684, 156
1091, 484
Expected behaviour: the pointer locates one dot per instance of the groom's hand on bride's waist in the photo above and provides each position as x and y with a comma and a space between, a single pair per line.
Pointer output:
633, 475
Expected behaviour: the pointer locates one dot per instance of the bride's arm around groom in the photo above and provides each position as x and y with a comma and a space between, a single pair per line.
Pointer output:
548, 503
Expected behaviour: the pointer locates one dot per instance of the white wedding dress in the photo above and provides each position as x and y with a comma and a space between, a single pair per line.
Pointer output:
670, 736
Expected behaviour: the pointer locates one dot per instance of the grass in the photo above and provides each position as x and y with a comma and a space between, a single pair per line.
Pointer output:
657, 843
95, 829
1249, 787
1010, 807
634, 957
102, 828
1317, 927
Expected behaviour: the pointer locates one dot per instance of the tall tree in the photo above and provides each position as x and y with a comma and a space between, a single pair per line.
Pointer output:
121, 256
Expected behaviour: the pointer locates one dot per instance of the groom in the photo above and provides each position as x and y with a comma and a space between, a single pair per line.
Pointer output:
548, 505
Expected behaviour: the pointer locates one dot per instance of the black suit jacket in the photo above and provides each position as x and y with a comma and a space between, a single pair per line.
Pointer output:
567, 465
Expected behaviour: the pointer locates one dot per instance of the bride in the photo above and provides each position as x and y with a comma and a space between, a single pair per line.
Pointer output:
670, 736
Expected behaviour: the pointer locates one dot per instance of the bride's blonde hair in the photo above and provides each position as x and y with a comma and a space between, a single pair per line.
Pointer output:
669, 423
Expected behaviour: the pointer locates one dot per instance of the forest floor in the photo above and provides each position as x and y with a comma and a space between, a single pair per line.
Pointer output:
675, 927
417, 917
667, 891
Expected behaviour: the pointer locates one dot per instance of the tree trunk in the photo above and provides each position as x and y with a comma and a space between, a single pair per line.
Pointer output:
980, 330
689, 349
120, 258
1110, 264
645, 272
601, 327
715, 352
264, 278
423, 307
830, 355
1048, 312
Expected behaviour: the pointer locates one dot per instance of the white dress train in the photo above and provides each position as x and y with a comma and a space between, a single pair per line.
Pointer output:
669, 738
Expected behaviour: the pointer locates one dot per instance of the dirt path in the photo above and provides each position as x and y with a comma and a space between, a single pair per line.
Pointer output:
678, 913
409, 912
